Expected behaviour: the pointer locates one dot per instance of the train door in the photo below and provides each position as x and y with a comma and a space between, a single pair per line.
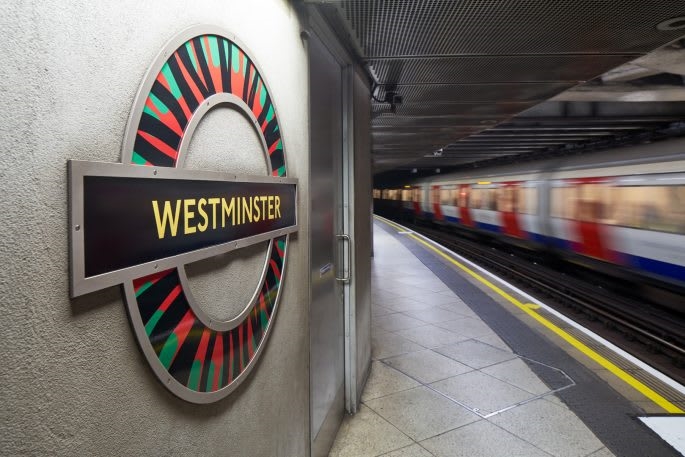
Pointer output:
464, 205
508, 205
592, 204
529, 210
435, 201
416, 200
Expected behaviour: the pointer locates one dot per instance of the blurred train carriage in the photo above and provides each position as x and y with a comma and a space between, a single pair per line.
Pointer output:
621, 212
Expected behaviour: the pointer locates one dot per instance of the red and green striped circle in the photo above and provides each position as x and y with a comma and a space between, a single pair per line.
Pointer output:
189, 356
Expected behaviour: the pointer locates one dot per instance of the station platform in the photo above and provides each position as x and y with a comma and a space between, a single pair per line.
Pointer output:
461, 367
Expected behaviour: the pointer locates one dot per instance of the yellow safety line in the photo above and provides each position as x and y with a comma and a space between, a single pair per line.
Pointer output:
530, 309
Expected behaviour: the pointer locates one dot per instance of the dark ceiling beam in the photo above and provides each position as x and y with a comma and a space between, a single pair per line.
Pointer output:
553, 134
590, 121
505, 141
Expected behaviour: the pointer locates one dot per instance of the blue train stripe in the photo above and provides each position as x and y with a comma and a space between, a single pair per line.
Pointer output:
657, 267
489, 227
537, 238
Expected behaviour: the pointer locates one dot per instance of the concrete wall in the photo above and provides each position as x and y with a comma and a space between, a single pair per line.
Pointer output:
73, 380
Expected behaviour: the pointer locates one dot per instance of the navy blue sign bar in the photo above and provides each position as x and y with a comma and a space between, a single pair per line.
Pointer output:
126, 219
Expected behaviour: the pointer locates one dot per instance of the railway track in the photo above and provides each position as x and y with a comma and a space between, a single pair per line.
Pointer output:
652, 333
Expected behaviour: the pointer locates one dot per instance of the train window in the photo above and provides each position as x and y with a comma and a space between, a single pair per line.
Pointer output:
484, 199
507, 199
475, 198
563, 202
376, 193
435, 194
417, 194
528, 200
406, 195
454, 197
491, 199
445, 196
660, 208
594, 203
396, 194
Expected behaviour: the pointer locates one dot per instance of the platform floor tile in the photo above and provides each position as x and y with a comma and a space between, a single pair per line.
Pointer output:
384, 345
421, 412
476, 354
431, 336
480, 439
540, 422
434, 315
427, 366
467, 327
379, 310
516, 373
481, 393
396, 321
604, 452
404, 304
367, 434
415, 450
384, 380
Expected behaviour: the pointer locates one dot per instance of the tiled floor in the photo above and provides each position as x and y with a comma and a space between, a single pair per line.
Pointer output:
443, 384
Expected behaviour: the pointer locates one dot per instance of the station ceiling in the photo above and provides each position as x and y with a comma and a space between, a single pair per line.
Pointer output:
458, 83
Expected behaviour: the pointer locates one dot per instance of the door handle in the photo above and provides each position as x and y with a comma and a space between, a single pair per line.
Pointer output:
348, 240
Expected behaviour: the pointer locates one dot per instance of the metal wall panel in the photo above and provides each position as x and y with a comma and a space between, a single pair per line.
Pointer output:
326, 312
362, 235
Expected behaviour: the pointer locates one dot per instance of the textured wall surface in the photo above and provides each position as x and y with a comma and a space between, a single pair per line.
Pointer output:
225, 140
74, 381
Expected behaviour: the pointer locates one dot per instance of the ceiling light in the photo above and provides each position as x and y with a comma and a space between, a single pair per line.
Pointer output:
676, 23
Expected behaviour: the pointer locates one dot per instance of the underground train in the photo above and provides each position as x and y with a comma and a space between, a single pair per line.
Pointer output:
620, 212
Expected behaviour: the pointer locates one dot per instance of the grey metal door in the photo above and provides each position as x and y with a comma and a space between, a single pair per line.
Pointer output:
326, 314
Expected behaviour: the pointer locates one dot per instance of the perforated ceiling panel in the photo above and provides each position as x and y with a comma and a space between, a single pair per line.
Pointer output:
509, 27
476, 92
463, 67
491, 69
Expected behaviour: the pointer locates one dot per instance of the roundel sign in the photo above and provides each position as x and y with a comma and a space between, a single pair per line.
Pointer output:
139, 222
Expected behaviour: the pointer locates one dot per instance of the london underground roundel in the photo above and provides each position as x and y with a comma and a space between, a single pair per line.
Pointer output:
189, 215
